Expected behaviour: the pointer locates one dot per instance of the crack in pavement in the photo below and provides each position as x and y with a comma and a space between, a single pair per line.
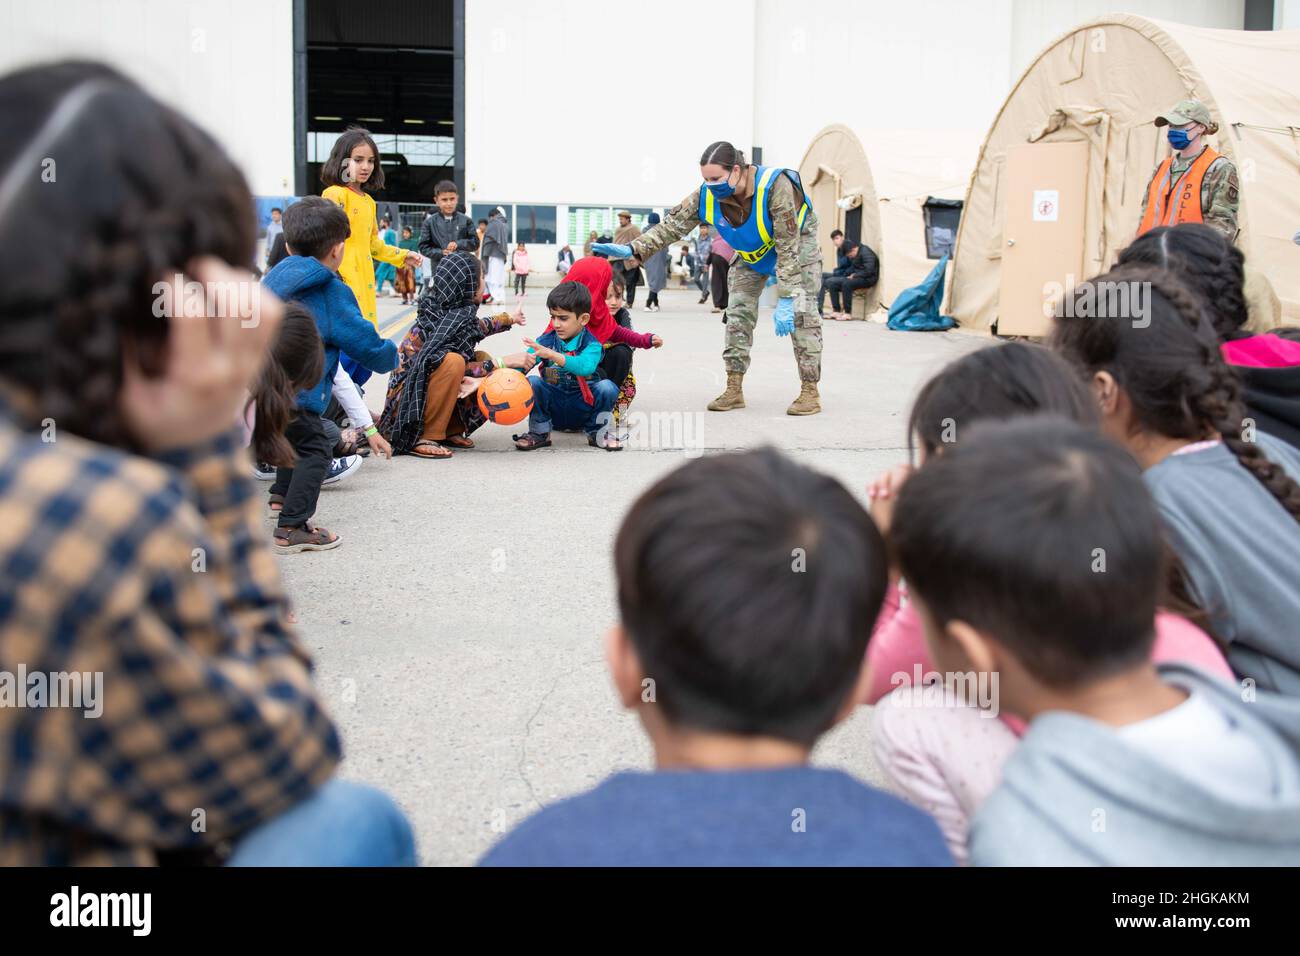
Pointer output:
528, 726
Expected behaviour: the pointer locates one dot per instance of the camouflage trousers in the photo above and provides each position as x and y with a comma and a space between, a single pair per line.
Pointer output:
744, 286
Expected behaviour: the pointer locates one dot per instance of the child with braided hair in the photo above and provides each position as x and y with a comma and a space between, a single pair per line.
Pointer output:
1268, 364
1228, 494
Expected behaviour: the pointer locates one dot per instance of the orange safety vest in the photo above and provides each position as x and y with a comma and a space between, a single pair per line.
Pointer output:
1171, 203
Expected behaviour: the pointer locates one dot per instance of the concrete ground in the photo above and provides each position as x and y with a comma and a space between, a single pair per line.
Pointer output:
461, 685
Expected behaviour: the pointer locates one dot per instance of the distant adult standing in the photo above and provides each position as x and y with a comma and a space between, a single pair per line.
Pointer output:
719, 265
703, 251
564, 261
448, 230
1195, 184
273, 229
586, 246
496, 250
656, 271
479, 230
623, 236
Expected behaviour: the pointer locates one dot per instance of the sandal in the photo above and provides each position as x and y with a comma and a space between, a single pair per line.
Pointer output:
458, 441
609, 442
531, 440
430, 450
305, 538
275, 504
351, 442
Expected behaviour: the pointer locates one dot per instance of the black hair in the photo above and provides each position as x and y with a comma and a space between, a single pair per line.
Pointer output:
996, 382
141, 192
836, 232
296, 362
618, 283
279, 250
314, 225
445, 186
722, 153
570, 297
482, 222
332, 169
408, 229
1168, 364
748, 585
277, 209
1206, 261
1041, 534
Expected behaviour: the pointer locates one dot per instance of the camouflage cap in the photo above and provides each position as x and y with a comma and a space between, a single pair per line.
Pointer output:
1184, 112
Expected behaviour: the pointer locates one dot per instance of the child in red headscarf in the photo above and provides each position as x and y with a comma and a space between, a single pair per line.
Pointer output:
612, 326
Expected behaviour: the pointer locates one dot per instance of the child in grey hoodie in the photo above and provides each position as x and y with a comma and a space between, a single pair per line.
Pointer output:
1125, 762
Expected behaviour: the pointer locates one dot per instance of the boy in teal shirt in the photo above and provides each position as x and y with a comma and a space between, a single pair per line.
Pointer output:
565, 395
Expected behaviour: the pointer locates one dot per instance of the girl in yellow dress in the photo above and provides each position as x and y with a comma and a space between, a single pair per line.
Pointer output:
350, 174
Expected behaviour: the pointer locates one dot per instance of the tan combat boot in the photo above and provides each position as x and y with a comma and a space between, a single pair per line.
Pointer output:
733, 397
808, 402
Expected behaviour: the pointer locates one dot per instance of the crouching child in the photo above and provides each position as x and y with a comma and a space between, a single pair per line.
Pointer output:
566, 393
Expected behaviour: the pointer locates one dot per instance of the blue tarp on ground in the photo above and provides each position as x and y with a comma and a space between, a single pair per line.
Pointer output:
917, 309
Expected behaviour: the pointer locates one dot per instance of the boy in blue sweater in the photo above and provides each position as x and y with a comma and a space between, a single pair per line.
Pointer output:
565, 393
747, 588
315, 231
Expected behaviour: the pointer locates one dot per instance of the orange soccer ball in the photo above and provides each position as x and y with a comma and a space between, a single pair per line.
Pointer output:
505, 397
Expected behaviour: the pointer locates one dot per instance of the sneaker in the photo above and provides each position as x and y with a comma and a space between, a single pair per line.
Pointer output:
340, 468
263, 472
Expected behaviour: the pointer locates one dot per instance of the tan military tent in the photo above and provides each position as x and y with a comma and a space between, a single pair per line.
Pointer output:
908, 166
1099, 87
837, 176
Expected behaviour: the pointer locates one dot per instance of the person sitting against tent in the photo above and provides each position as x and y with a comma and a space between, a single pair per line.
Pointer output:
861, 271
840, 271
1196, 184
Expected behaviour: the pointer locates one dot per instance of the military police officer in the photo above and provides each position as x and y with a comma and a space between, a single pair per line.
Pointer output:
763, 213
1196, 184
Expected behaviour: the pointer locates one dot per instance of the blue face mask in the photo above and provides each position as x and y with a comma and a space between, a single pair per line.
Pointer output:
1179, 139
720, 190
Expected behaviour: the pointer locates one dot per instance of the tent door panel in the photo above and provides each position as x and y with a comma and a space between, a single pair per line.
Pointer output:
1043, 221
824, 192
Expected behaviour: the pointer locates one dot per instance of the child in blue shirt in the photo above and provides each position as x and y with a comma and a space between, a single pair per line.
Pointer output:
565, 392
315, 231
747, 587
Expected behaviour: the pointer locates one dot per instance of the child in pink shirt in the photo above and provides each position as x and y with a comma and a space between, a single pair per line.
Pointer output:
520, 267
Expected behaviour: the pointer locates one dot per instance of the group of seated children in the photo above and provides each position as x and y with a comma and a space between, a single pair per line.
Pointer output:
1084, 645
1077, 612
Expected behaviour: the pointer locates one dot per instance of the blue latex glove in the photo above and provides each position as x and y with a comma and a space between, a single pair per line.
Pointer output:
613, 250
784, 316
771, 280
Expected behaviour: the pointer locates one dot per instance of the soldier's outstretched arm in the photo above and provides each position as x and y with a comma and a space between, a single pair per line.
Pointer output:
678, 221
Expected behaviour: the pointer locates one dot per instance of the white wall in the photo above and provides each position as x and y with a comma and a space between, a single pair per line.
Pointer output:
1286, 14
879, 64
601, 103
227, 64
